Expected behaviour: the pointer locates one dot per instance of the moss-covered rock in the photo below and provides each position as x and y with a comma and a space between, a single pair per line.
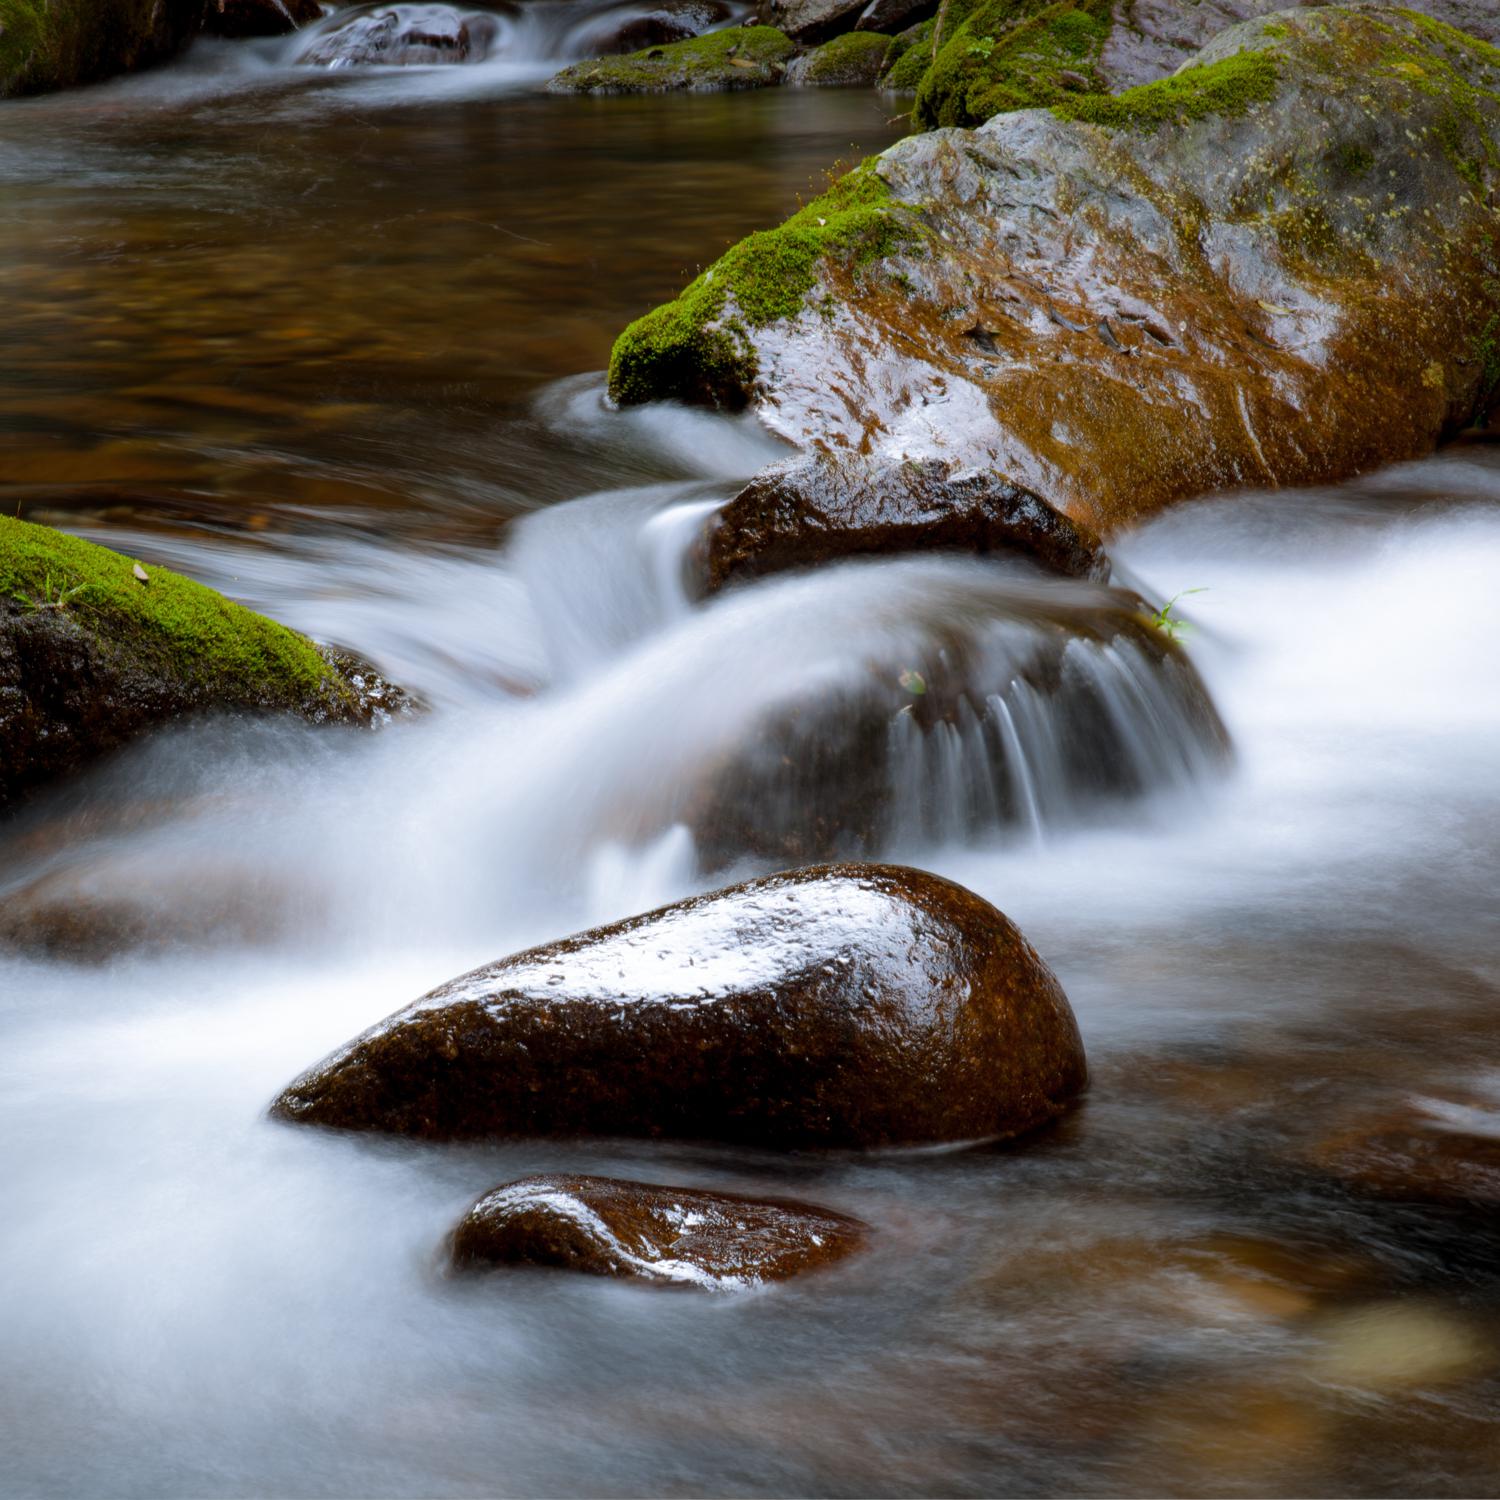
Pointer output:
52, 44
908, 57
743, 57
1278, 267
855, 59
700, 347
95, 649
1013, 54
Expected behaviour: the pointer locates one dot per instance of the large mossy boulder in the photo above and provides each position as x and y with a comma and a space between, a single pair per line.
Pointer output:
96, 649
639, 1231
53, 44
1278, 266
839, 1005
743, 57
850, 61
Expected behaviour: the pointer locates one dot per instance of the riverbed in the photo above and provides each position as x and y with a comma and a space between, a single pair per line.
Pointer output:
333, 344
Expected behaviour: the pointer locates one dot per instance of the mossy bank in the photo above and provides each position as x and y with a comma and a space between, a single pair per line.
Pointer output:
96, 648
742, 57
53, 44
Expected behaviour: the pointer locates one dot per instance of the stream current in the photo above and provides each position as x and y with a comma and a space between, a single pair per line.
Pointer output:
325, 341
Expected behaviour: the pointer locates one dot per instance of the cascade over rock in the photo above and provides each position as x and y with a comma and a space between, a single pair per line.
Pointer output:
640, 1231
840, 1005
1277, 267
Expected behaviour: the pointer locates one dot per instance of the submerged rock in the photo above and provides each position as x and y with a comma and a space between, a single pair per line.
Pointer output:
247, 18
641, 1231
831, 1006
744, 57
1276, 267
403, 36
825, 506
853, 60
95, 650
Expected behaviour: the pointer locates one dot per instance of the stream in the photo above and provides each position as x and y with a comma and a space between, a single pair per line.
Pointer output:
332, 342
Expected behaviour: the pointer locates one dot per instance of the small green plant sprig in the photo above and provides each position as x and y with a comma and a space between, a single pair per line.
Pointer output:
1170, 625
54, 595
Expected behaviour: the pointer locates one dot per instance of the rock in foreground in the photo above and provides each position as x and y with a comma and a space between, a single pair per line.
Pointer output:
744, 57
95, 649
1276, 267
820, 508
640, 1231
837, 1006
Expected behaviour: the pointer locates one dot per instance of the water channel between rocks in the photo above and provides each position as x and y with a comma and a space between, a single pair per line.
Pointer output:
331, 343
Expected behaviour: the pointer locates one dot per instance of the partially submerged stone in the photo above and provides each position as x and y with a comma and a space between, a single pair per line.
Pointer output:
96, 649
1277, 267
823, 507
854, 60
743, 57
640, 1231
835, 1006
403, 35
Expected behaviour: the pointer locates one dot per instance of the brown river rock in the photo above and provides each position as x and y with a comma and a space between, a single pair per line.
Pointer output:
818, 508
1278, 269
641, 1231
833, 1006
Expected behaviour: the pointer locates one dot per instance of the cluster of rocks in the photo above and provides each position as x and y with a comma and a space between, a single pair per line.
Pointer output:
833, 1007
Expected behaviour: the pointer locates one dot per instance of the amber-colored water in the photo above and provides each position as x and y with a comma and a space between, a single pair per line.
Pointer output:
334, 346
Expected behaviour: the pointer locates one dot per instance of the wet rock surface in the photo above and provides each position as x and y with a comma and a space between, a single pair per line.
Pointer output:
825, 506
96, 649
835, 1006
403, 36
1186, 289
743, 57
671, 1236
809, 21
247, 18
639, 27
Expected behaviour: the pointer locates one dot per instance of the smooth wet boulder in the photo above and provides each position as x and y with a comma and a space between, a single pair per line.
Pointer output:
237, 19
854, 60
743, 57
835, 1006
403, 36
1276, 267
96, 649
811, 21
893, 16
822, 507
641, 1231
634, 28
54, 44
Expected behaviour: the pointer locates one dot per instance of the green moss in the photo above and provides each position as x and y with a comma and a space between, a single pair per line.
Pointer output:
22, 40
1229, 87
909, 57
856, 57
1013, 54
697, 347
739, 57
169, 624
50, 44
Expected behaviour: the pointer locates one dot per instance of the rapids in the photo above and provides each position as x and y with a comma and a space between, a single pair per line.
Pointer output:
1164, 1294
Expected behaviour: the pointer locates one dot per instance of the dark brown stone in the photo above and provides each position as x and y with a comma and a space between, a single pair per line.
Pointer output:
248, 18
825, 506
672, 1236
657, 26
838, 1006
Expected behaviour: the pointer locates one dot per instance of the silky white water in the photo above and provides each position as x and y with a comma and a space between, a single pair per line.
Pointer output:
197, 1300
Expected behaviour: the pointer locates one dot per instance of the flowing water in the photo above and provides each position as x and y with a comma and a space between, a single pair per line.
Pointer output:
329, 341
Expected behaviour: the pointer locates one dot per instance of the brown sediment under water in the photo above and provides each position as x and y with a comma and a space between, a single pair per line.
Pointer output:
333, 344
